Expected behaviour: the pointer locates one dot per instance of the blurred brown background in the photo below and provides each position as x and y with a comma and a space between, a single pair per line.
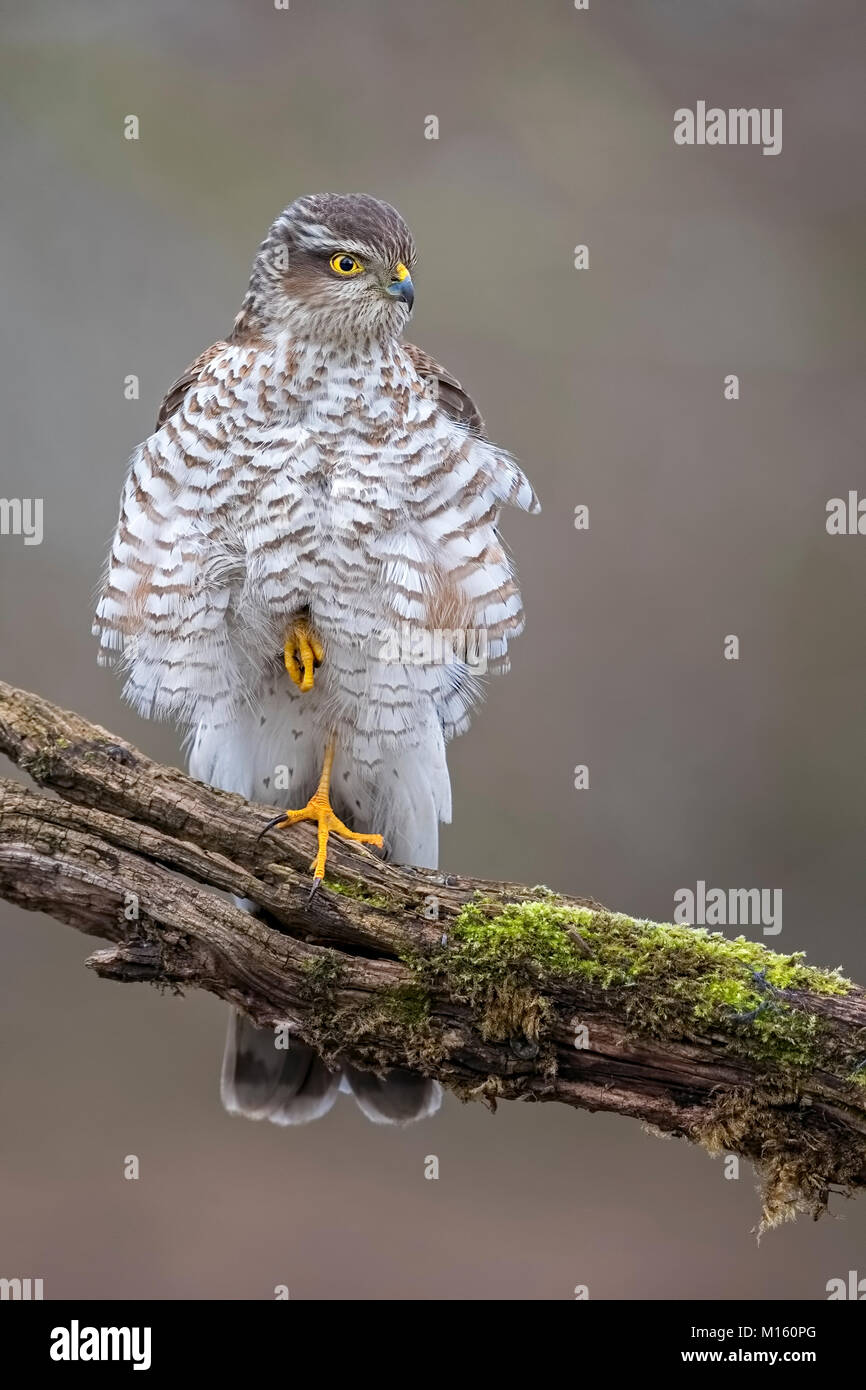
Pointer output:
707, 518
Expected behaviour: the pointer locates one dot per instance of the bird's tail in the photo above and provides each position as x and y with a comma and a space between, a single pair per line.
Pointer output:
397, 1098
292, 1086
289, 1086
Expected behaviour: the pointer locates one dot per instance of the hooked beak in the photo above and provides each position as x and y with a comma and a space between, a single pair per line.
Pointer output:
401, 286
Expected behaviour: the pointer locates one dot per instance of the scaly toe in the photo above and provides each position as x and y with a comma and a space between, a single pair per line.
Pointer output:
302, 653
319, 809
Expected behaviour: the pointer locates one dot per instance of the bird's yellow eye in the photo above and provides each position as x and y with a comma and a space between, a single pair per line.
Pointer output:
344, 264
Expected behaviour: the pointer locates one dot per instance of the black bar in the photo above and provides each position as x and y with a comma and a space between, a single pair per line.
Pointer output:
256, 1338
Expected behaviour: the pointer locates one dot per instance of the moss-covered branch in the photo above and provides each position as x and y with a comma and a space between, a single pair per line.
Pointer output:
498, 990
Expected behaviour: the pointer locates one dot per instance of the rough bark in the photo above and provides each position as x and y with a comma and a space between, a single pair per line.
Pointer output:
133, 852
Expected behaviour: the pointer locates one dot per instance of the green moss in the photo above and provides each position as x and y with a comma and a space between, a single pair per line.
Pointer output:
394, 1028
390, 1029
323, 973
512, 964
359, 893
407, 1005
670, 981
495, 961
519, 934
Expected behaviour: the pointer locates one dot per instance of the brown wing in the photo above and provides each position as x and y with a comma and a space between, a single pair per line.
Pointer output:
454, 400
175, 393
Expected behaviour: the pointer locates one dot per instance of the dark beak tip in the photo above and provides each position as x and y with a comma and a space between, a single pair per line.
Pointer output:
403, 289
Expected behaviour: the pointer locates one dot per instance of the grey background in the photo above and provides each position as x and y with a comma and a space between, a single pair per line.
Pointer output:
707, 518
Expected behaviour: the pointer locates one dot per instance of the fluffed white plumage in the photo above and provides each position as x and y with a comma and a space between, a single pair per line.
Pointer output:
274, 752
236, 516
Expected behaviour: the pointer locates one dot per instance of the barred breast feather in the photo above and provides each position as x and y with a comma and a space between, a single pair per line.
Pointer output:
284, 479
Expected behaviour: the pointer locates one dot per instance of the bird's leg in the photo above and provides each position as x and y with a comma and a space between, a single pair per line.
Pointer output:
319, 809
302, 653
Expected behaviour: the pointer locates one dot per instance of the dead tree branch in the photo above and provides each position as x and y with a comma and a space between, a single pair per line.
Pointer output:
498, 990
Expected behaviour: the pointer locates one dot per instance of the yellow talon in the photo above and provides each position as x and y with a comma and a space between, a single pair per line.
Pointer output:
302, 653
319, 809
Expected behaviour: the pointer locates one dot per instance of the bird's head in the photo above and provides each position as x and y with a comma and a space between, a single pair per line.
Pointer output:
333, 267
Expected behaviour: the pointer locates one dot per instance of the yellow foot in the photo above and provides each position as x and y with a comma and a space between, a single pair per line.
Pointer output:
319, 809
302, 653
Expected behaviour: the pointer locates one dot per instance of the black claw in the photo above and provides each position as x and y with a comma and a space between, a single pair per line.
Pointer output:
270, 825
314, 890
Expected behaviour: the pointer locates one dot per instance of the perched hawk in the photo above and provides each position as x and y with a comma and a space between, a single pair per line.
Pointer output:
307, 575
